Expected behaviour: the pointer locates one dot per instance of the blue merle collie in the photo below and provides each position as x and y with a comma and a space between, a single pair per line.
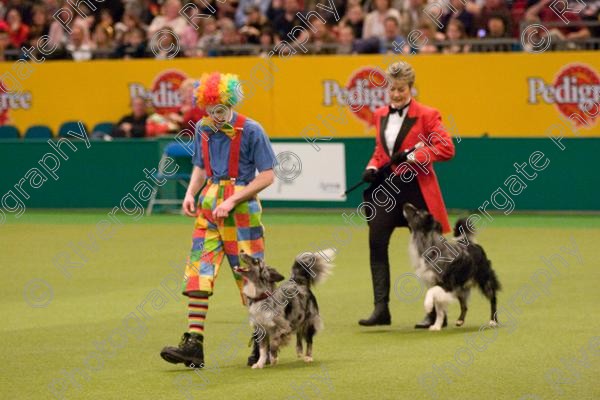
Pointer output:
449, 267
277, 313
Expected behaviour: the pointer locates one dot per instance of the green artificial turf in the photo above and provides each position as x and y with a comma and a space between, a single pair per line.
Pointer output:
75, 342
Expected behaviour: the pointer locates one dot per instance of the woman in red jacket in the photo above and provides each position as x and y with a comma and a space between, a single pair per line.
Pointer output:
409, 178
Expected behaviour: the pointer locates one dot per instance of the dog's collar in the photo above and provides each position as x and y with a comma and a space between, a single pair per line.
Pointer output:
263, 296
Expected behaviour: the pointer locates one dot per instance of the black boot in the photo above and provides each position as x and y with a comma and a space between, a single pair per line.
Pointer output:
380, 274
189, 352
429, 320
255, 355
380, 316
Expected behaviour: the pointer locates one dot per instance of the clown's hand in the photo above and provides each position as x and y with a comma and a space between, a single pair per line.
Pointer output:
223, 209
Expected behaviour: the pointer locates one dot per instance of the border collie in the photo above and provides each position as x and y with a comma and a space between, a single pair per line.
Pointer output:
292, 307
449, 267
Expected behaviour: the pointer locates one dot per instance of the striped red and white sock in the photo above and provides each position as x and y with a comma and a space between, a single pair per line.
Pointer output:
197, 308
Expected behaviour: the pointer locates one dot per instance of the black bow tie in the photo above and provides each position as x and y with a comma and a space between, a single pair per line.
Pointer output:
398, 110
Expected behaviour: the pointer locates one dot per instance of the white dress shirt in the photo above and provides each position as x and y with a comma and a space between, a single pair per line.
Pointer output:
394, 123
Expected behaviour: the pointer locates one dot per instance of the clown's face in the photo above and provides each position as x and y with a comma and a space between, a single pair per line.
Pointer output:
219, 113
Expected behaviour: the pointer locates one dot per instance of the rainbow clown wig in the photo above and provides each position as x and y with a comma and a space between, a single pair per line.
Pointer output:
217, 88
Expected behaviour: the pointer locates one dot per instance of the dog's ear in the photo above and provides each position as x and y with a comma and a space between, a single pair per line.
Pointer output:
429, 221
275, 276
437, 226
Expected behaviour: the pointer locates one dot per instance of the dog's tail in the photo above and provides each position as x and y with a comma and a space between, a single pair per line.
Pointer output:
314, 267
461, 228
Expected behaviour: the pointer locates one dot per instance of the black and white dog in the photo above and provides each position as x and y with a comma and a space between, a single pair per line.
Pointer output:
292, 307
449, 268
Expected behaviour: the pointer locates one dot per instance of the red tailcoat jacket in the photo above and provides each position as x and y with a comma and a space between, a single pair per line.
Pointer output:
421, 124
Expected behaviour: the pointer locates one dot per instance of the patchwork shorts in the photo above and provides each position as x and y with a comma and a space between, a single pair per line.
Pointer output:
213, 239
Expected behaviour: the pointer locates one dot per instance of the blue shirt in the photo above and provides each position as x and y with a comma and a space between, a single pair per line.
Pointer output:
256, 152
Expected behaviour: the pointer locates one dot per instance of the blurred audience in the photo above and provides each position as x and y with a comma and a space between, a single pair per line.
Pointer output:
127, 28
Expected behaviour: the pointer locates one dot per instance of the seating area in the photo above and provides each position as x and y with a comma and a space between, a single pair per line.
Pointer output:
44, 132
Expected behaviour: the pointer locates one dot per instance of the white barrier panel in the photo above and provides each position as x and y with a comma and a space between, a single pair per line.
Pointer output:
303, 173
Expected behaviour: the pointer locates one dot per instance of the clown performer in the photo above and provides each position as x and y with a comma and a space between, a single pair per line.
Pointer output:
229, 149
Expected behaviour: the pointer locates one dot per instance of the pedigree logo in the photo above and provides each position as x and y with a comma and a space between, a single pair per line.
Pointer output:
12, 101
164, 93
575, 93
365, 92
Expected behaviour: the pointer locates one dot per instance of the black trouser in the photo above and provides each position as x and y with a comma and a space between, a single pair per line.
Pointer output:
382, 226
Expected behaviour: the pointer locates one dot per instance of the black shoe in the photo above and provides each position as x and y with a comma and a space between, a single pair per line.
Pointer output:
380, 316
190, 351
255, 355
429, 320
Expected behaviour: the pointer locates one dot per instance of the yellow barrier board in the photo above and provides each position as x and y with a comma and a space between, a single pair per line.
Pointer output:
502, 95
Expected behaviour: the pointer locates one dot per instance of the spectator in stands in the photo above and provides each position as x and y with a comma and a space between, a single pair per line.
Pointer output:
39, 21
210, 39
275, 10
244, 7
103, 44
542, 11
493, 8
133, 45
189, 39
345, 40
128, 23
374, 21
17, 30
5, 44
456, 31
59, 37
230, 37
107, 22
411, 18
164, 45
426, 43
255, 23
23, 8
321, 41
496, 29
340, 6
169, 18
146, 10
267, 41
466, 18
133, 125
591, 13
79, 48
354, 19
392, 37
288, 20
226, 9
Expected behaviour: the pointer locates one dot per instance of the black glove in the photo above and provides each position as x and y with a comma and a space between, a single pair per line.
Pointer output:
399, 157
370, 175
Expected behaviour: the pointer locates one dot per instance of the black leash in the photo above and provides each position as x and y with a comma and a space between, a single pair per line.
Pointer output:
387, 165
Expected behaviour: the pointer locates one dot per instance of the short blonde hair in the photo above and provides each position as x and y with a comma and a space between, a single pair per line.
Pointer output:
401, 70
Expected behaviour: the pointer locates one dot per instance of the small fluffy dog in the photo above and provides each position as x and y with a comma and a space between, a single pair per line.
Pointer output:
292, 307
449, 268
